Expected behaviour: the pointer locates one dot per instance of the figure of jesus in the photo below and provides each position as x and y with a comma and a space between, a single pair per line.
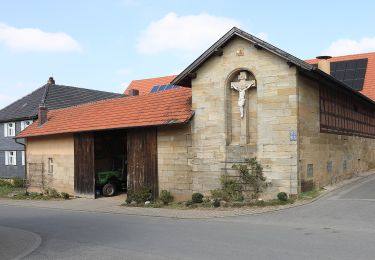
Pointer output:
241, 86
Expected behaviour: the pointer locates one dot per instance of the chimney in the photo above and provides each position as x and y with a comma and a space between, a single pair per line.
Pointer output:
51, 81
42, 114
133, 92
324, 64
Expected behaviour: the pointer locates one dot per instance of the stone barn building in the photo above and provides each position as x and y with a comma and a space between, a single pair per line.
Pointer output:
241, 98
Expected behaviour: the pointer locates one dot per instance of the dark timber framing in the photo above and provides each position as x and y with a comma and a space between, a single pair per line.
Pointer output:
142, 159
341, 113
84, 164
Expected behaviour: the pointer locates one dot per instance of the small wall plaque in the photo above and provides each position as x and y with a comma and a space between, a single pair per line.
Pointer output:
293, 135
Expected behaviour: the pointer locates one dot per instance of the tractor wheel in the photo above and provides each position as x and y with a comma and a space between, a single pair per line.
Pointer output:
109, 190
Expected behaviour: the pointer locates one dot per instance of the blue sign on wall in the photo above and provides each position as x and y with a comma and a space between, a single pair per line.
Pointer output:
293, 135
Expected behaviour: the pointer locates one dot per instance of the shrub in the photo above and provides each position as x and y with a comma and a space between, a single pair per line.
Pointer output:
18, 182
282, 196
166, 197
197, 197
251, 174
65, 195
230, 190
5, 183
216, 203
140, 195
52, 193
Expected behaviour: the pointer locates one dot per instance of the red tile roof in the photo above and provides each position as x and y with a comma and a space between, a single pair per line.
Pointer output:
145, 85
369, 84
161, 108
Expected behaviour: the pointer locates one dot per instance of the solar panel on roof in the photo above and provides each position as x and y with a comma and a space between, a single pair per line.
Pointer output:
350, 72
154, 89
163, 87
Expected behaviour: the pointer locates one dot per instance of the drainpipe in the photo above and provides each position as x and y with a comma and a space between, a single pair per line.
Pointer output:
25, 166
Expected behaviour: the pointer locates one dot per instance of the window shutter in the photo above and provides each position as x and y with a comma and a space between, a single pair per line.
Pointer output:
6, 158
5, 129
23, 157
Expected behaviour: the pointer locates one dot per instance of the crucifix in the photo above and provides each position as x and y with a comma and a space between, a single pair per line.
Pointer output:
241, 86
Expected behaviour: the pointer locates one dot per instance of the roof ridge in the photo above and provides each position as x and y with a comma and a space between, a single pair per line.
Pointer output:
155, 78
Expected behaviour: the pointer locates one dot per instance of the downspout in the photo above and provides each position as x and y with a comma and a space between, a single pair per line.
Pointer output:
25, 166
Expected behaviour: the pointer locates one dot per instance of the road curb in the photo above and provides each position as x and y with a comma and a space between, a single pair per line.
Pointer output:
329, 190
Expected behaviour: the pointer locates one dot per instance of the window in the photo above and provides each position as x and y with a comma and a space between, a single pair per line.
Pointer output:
310, 170
50, 165
10, 158
25, 124
9, 129
23, 157
329, 167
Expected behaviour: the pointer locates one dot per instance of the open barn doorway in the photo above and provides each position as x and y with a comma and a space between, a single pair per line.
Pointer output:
110, 153
112, 162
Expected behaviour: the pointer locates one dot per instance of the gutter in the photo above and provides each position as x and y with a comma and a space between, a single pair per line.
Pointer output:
25, 166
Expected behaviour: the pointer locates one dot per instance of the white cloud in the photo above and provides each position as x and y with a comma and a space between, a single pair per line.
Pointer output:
348, 46
36, 40
189, 34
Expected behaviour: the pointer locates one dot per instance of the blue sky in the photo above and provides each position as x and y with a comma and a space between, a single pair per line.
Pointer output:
105, 44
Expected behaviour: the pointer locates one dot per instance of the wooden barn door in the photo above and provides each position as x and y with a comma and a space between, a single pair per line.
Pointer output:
84, 165
142, 159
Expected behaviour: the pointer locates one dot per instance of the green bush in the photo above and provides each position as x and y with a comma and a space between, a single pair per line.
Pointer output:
64, 195
282, 196
197, 197
140, 195
18, 182
251, 174
5, 183
166, 197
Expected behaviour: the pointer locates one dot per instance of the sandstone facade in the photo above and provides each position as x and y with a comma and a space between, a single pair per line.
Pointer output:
61, 150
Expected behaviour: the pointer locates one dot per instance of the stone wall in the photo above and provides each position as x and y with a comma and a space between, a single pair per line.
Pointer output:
61, 149
174, 171
275, 113
330, 157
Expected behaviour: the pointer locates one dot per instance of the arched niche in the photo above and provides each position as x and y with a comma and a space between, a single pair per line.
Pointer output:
241, 95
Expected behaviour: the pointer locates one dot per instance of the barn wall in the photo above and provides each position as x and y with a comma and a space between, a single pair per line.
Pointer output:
174, 161
61, 149
333, 157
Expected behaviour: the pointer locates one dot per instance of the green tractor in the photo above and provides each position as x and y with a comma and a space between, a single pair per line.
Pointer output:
110, 182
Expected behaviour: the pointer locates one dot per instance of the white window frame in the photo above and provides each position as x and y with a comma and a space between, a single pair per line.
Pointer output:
11, 158
23, 157
9, 129
50, 166
25, 124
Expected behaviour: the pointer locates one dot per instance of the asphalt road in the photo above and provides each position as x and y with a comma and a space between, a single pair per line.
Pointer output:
338, 226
